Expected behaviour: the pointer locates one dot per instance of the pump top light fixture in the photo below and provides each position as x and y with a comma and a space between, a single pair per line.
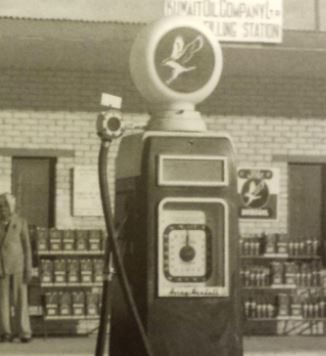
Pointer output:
175, 64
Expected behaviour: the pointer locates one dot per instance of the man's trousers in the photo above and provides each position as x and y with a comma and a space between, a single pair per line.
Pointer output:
14, 293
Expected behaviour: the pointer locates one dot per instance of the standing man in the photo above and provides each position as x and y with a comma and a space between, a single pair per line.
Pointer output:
15, 272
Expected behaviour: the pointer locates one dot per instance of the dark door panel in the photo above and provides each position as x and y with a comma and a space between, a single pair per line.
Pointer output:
305, 201
33, 185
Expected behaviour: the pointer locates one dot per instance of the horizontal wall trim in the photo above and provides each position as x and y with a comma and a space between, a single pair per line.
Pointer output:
299, 158
23, 152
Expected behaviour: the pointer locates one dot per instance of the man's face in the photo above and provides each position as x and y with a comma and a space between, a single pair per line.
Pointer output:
4, 210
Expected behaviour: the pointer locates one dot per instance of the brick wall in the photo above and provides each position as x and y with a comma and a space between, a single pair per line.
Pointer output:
59, 130
57, 110
260, 141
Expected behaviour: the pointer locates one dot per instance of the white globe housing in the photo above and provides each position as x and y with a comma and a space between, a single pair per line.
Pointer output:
176, 63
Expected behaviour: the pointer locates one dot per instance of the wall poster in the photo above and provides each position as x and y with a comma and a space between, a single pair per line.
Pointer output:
86, 192
258, 190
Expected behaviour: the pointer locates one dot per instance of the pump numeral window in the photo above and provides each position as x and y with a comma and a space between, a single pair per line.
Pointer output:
193, 170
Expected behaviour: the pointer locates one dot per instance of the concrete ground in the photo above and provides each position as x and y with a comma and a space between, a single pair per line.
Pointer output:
52, 346
85, 346
285, 346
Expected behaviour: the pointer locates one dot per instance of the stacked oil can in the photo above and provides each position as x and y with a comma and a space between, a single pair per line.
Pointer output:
282, 278
70, 267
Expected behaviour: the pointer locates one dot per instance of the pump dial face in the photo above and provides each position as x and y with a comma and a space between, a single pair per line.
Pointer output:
192, 239
187, 252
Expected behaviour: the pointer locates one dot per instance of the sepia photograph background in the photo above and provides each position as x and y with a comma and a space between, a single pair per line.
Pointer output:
58, 58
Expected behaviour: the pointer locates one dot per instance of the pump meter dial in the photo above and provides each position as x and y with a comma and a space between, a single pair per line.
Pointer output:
193, 247
187, 252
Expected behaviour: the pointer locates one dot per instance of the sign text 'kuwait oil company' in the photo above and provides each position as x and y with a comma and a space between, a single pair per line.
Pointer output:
235, 20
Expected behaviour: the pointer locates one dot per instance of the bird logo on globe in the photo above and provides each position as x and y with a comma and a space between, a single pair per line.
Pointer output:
184, 60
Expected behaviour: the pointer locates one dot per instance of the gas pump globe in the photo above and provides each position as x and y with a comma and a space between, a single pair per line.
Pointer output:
176, 63
176, 190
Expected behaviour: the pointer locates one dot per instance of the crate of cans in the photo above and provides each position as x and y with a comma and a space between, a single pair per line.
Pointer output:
72, 270
260, 307
46, 271
284, 303
251, 245
55, 239
68, 240
95, 240
291, 270
255, 276
59, 270
78, 303
92, 303
277, 273
64, 303
51, 303
98, 266
42, 239
81, 242
309, 247
86, 270
296, 307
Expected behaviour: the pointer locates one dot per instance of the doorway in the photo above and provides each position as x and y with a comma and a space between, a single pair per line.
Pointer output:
307, 213
33, 184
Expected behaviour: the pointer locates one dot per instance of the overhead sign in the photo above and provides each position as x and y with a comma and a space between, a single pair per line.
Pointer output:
258, 190
257, 21
86, 193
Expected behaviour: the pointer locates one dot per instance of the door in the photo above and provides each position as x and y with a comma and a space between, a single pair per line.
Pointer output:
33, 185
305, 201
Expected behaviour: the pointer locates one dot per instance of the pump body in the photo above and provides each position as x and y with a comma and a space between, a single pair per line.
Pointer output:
180, 243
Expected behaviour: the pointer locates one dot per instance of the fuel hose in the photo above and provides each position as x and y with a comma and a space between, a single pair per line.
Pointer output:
113, 248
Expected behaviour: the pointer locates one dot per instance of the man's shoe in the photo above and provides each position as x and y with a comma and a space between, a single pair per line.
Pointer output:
7, 338
25, 339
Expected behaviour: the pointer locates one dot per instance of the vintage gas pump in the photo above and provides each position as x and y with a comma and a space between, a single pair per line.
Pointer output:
176, 190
